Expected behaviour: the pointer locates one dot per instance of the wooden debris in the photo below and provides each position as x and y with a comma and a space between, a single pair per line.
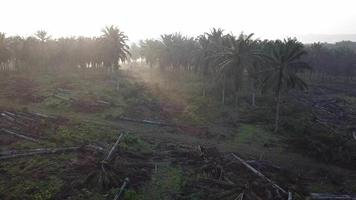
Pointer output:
122, 188
20, 135
217, 182
63, 98
39, 152
95, 147
43, 115
103, 102
113, 148
240, 197
328, 196
290, 197
259, 174
145, 121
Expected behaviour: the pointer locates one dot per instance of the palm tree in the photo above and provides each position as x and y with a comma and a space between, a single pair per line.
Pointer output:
42, 35
5, 54
115, 48
151, 50
285, 61
236, 57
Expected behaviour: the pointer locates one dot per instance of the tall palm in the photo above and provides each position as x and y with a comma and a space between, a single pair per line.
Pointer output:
236, 57
285, 61
114, 45
42, 35
5, 54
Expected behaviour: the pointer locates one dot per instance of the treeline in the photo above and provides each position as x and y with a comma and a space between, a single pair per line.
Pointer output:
177, 51
232, 63
40, 51
332, 61
224, 61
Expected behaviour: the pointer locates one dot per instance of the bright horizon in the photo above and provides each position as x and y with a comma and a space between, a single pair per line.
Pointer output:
324, 20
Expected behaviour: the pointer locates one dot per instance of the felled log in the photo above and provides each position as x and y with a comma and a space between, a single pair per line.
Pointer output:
20, 135
217, 182
95, 147
43, 115
63, 90
145, 121
63, 98
39, 152
19, 115
122, 188
13, 152
103, 102
328, 196
113, 148
259, 174
290, 196
240, 197
10, 118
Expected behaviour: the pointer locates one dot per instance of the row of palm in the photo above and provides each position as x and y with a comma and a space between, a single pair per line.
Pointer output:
337, 59
41, 52
233, 61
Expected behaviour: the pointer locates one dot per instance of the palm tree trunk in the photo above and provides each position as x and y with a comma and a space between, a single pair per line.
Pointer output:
223, 91
236, 93
278, 98
204, 86
253, 96
276, 123
236, 98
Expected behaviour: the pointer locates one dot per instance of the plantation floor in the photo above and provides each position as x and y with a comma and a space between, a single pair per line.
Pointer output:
163, 162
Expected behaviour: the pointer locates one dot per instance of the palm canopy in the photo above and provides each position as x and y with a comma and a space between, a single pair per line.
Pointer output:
42, 35
237, 55
116, 49
284, 61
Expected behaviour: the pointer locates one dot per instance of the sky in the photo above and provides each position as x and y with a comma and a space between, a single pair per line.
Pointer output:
308, 20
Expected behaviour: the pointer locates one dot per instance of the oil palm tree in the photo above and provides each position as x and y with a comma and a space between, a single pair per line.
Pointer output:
239, 54
42, 35
285, 62
115, 48
5, 54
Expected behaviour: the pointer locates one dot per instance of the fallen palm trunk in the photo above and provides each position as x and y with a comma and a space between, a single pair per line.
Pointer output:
122, 188
63, 98
13, 152
19, 115
113, 148
103, 102
328, 196
217, 182
3, 114
20, 135
43, 115
39, 152
144, 121
259, 174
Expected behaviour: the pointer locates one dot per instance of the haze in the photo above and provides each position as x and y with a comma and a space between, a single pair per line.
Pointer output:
309, 21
